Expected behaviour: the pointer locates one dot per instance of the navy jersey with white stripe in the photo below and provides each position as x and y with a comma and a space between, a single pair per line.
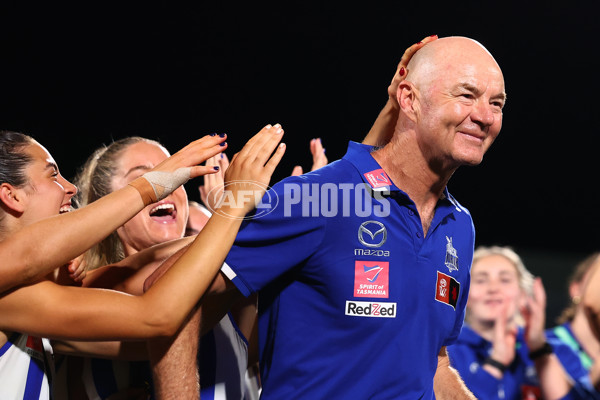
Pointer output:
222, 363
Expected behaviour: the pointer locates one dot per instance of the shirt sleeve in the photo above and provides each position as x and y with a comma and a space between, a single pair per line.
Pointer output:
272, 244
464, 290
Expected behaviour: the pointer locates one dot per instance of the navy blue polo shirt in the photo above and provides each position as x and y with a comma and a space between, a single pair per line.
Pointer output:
354, 301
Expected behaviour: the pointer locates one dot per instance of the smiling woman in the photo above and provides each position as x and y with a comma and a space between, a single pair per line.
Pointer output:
108, 169
112, 167
45, 309
501, 352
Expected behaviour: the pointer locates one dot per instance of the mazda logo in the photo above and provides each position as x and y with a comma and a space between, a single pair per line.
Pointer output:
372, 234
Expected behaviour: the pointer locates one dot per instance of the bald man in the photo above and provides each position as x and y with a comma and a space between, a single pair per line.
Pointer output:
362, 267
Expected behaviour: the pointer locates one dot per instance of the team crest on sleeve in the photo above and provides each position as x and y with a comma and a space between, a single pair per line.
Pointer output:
371, 279
378, 178
451, 256
447, 289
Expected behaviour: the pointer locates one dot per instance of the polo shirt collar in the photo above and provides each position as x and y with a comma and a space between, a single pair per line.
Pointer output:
374, 176
370, 171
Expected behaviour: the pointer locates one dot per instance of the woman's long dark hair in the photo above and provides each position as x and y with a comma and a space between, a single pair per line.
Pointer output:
13, 160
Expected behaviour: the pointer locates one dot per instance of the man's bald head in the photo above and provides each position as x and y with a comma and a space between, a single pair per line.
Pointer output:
451, 102
443, 54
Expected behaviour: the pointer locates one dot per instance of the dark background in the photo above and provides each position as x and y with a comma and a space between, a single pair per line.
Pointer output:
77, 77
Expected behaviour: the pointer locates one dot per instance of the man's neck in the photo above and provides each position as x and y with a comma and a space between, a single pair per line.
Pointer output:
410, 171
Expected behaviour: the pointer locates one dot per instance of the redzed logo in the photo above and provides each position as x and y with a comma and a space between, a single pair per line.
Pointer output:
447, 289
378, 178
371, 279
370, 309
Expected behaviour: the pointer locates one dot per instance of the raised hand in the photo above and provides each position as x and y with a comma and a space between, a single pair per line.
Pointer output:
176, 170
505, 337
195, 154
318, 153
211, 192
535, 316
319, 157
250, 171
383, 128
77, 269
402, 69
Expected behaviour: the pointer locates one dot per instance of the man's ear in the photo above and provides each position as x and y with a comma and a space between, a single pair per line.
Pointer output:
12, 198
407, 96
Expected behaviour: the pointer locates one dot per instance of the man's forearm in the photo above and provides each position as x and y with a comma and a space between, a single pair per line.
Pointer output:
173, 361
447, 383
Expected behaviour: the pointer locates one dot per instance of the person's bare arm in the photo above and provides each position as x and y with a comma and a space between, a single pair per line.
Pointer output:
34, 251
554, 381
174, 362
383, 128
129, 274
126, 276
447, 383
49, 310
114, 350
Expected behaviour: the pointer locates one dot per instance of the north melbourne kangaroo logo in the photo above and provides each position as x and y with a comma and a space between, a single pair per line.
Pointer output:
451, 256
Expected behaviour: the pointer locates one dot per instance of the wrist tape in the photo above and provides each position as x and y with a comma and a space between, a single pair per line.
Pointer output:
154, 186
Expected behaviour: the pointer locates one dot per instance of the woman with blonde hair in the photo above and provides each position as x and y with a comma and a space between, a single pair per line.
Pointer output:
502, 351
45, 309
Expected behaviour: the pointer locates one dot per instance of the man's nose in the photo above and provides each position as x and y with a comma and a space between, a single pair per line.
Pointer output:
483, 114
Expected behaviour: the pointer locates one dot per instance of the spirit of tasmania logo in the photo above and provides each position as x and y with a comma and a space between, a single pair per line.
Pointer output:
371, 279
378, 178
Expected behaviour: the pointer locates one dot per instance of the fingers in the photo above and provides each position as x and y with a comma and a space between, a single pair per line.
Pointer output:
297, 171
200, 170
212, 161
250, 162
318, 152
275, 159
77, 270
212, 190
224, 162
408, 53
194, 154
247, 149
263, 144
402, 69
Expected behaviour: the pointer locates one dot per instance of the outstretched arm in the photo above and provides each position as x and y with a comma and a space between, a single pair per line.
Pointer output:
49, 310
383, 128
31, 253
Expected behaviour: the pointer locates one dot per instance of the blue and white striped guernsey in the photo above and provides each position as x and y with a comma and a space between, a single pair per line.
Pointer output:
25, 367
